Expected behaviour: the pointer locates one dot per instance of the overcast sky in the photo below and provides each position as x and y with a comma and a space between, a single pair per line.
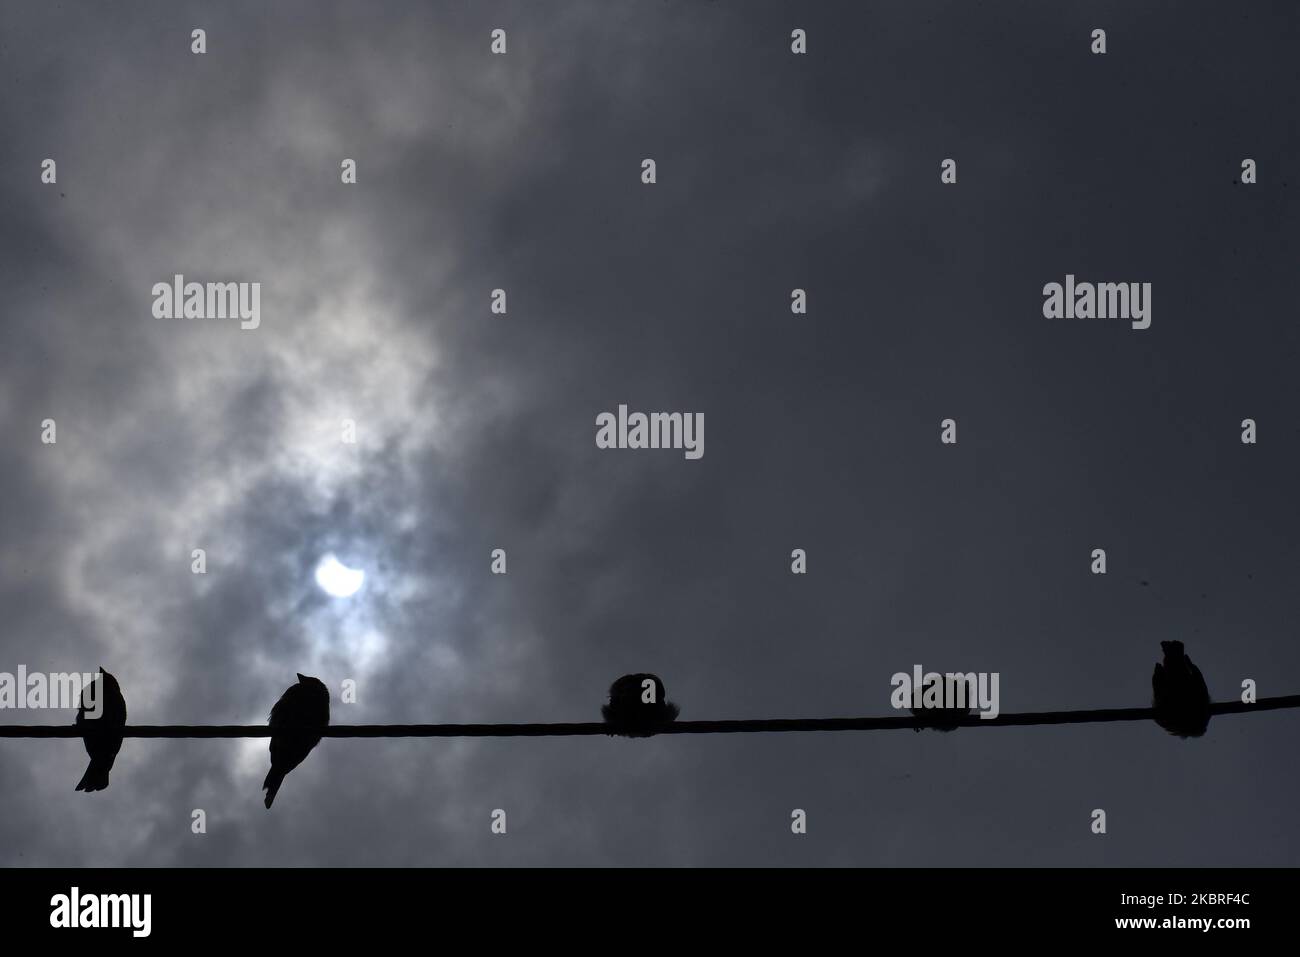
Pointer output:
476, 431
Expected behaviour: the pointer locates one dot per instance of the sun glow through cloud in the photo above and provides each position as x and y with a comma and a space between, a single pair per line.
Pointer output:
337, 579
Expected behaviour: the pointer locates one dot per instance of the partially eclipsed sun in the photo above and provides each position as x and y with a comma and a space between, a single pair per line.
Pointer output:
337, 579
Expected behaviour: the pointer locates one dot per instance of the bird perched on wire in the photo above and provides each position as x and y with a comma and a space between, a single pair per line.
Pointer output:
305, 705
941, 717
102, 716
1180, 698
638, 706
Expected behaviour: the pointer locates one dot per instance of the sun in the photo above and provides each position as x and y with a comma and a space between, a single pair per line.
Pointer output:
337, 579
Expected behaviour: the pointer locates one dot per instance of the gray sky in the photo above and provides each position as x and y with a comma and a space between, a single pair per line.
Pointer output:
477, 431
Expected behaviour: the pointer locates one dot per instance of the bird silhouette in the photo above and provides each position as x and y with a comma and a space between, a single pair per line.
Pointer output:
638, 706
1180, 697
103, 737
305, 705
942, 718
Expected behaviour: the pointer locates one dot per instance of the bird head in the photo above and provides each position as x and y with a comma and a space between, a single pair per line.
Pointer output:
1172, 649
315, 684
101, 688
630, 689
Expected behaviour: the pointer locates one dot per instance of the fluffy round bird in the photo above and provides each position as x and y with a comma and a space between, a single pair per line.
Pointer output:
638, 706
103, 738
305, 705
1179, 696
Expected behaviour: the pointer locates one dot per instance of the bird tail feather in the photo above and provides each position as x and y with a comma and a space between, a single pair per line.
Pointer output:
95, 778
271, 785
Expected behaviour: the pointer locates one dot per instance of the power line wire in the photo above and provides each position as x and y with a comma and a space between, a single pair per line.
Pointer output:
537, 730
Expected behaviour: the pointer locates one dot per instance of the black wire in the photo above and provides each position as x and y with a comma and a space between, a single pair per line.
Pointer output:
743, 726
